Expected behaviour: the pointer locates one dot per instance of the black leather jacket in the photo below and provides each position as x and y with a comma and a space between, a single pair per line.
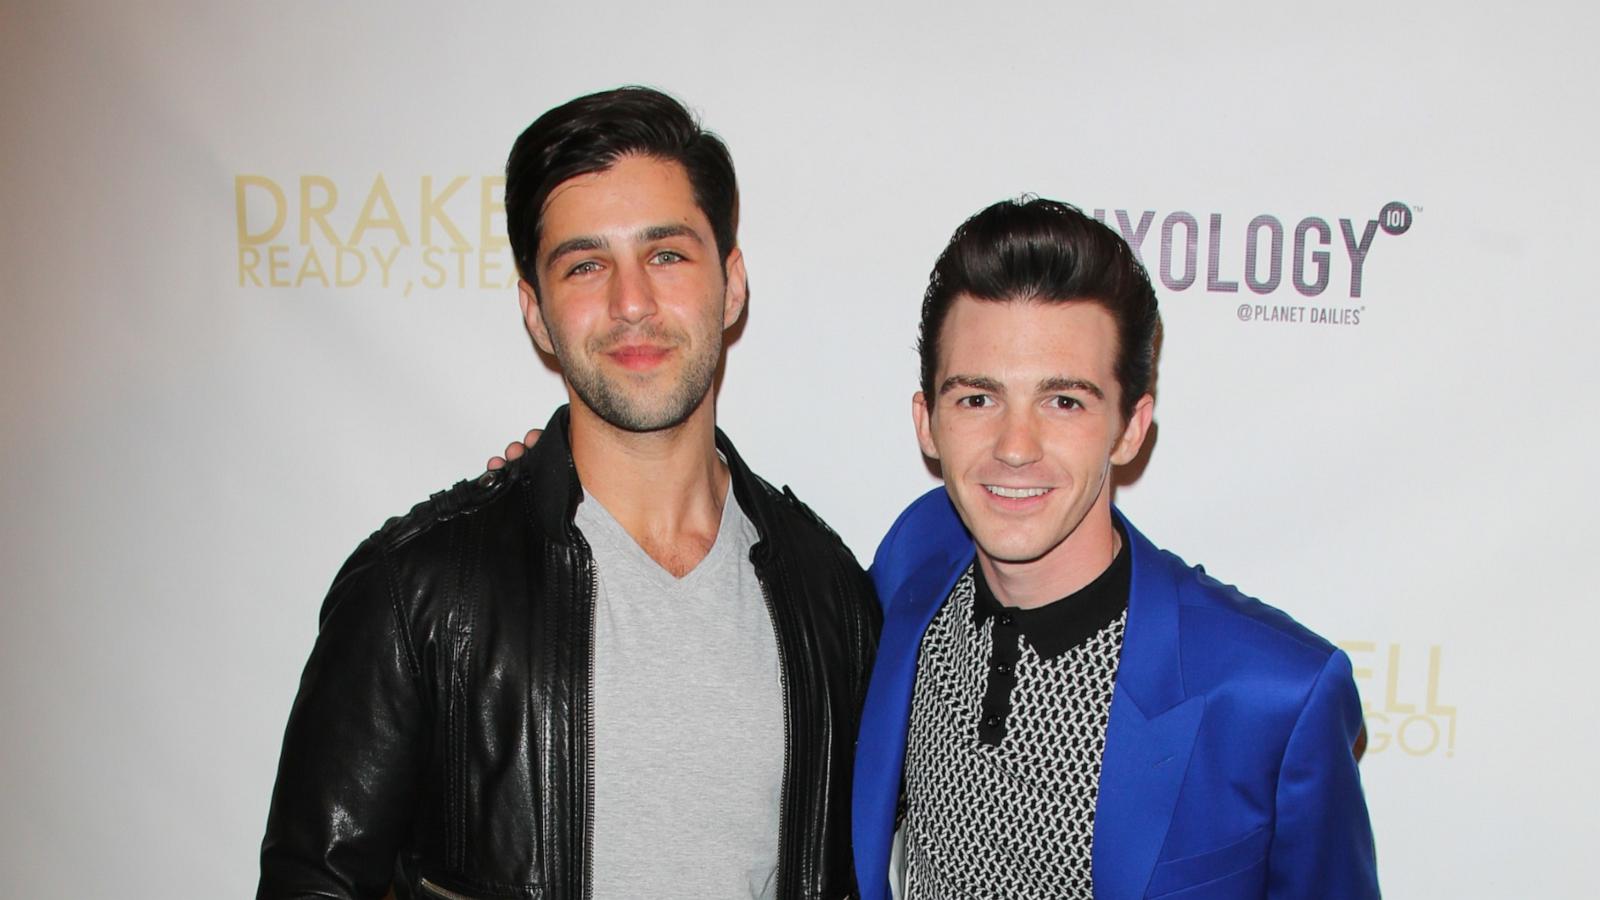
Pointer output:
441, 738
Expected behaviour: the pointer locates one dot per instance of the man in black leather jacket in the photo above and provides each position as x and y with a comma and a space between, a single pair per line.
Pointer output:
442, 743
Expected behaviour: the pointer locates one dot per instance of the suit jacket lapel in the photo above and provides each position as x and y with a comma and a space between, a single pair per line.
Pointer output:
1151, 732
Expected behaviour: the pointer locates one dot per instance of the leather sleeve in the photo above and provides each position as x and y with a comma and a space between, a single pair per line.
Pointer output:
354, 747
1322, 842
868, 638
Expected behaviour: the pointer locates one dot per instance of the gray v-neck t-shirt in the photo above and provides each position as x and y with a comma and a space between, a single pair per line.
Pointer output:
688, 719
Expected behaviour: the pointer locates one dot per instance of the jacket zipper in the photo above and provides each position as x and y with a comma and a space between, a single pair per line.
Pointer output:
588, 728
783, 683
437, 891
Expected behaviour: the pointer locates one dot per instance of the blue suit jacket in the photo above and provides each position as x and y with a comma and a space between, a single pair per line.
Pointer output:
1228, 770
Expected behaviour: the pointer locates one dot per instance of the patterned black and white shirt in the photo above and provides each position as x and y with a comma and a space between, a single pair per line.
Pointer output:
1008, 727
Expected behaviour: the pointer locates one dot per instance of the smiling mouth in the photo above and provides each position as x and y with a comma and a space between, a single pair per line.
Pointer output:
1016, 493
638, 355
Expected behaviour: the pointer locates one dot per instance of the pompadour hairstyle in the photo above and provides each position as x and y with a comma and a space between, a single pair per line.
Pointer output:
1045, 251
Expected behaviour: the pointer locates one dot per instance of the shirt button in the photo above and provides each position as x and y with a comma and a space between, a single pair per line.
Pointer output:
1003, 668
991, 722
1004, 619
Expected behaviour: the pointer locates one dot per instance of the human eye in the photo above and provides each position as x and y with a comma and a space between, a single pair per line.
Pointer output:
1065, 402
974, 401
667, 257
583, 268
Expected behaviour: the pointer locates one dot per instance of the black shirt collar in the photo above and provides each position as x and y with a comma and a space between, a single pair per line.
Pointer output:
1057, 627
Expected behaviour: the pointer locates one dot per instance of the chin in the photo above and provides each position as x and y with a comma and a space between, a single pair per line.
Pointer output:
1013, 553
999, 545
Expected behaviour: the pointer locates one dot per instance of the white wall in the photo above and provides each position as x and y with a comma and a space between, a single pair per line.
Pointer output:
188, 456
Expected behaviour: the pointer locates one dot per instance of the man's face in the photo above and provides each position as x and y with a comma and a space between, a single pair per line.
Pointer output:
633, 298
1026, 423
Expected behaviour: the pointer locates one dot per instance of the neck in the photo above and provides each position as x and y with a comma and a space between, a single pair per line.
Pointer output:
666, 488
1066, 569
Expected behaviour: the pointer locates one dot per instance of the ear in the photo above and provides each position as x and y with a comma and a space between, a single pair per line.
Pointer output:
922, 419
532, 318
1133, 432
737, 290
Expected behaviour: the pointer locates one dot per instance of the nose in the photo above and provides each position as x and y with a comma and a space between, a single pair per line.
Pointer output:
1018, 442
632, 297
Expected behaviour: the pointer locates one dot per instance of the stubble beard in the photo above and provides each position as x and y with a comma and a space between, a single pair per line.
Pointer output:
640, 410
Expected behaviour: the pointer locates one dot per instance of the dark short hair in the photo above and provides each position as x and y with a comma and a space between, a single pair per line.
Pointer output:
1038, 250
589, 135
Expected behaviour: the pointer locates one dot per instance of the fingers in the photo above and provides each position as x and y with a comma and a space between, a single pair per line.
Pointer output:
515, 449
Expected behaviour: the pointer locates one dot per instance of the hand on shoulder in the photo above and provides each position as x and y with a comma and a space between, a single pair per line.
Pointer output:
515, 449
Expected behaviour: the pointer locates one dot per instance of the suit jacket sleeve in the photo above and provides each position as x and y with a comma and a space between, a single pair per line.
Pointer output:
1322, 846
354, 746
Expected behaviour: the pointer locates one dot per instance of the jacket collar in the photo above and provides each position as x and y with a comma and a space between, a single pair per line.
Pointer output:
552, 476
754, 496
552, 479
1151, 670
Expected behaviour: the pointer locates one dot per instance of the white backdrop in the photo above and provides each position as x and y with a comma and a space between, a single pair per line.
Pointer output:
202, 413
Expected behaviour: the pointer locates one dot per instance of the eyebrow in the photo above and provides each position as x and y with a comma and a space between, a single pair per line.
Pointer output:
662, 232
1051, 385
1061, 383
975, 382
574, 245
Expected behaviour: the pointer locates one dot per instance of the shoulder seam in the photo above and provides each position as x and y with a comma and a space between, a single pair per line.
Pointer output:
397, 610
443, 506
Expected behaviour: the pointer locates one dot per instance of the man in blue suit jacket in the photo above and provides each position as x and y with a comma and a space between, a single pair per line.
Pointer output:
1059, 708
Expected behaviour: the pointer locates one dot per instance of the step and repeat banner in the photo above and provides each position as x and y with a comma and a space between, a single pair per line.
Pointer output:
257, 297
